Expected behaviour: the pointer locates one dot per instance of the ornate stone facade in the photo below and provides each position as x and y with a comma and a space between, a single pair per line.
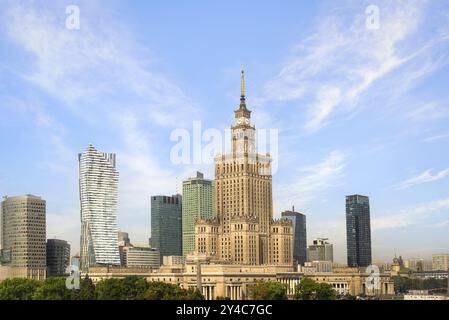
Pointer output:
244, 231
234, 281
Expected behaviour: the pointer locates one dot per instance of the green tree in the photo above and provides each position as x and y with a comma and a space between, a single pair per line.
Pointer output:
18, 289
348, 296
109, 289
192, 294
157, 291
134, 288
166, 291
53, 288
306, 289
268, 290
404, 284
87, 289
324, 291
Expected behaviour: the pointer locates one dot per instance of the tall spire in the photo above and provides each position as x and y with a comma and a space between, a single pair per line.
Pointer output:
242, 111
243, 83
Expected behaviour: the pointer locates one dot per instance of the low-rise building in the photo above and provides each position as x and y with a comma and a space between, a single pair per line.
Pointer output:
320, 250
418, 264
174, 260
141, 256
234, 281
316, 266
429, 275
425, 296
7, 272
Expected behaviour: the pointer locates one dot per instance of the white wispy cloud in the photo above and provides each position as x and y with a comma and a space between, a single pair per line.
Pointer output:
424, 177
436, 137
332, 70
102, 76
311, 181
93, 69
429, 112
410, 216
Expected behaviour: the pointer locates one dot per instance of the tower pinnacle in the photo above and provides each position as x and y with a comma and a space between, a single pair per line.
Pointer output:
242, 111
243, 83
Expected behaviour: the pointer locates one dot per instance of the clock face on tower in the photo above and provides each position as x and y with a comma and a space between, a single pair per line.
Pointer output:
242, 120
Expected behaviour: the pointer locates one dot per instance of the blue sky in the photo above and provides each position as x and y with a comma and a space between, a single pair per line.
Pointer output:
358, 110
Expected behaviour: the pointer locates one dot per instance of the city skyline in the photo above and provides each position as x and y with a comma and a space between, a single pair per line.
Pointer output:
341, 129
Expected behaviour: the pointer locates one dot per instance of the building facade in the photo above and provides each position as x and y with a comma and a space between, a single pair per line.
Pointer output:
98, 185
23, 232
123, 241
358, 231
418, 264
166, 225
417, 296
244, 231
299, 235
440, 262
174, 260
142, 257
8, 272
217, 281
75, 262
58, 257
197, 203
312, 267
442, 274
320, 250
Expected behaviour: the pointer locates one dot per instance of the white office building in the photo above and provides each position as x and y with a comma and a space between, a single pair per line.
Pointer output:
142, 257
98, 185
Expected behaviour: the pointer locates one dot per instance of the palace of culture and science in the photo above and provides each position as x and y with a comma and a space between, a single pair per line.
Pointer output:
244, 231
229, 253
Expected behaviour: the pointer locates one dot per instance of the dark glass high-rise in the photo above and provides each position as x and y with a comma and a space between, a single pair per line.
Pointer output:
166, 225
299, 235
358, 231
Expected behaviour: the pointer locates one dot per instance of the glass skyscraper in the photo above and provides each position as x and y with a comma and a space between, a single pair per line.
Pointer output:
358, 231
299, 235
197, 202
98, 182
166, 225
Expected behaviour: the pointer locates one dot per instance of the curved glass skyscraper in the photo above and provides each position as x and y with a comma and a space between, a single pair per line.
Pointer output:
98, 183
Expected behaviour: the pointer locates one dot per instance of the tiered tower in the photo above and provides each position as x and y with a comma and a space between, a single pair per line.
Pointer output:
243, 202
